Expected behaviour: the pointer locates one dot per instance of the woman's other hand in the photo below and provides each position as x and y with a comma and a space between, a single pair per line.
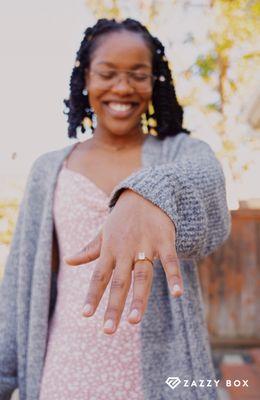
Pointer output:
134, 225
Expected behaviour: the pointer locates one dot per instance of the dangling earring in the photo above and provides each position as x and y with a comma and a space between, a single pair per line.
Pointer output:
94, 120
87, 122
144, 123
151, 123
150, 108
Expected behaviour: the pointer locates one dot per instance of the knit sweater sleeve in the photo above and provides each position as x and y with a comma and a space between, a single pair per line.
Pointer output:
8, 302
8, 323
191, 190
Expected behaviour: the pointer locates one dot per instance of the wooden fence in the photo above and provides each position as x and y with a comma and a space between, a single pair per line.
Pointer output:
230, 281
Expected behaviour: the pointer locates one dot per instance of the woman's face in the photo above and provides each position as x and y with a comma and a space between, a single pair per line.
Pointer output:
119, 100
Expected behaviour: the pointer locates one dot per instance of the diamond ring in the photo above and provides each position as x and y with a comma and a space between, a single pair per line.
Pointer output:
142, 257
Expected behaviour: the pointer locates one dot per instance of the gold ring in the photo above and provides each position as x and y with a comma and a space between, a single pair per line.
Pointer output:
142, 257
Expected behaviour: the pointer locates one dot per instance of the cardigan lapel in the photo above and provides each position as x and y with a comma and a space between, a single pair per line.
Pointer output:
41, 281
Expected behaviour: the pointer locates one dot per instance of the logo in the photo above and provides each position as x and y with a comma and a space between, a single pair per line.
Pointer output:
173, 381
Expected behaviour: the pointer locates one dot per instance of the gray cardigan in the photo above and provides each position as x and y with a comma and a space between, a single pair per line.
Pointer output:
182, 176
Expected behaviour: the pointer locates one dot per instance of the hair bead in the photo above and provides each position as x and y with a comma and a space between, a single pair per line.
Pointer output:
162, 78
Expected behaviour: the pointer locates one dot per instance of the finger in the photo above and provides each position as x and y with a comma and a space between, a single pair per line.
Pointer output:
120, 285
171, 265
98, 283
89, 253
143, 277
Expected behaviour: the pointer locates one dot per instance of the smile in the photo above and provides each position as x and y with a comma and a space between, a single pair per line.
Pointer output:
122, 110
120, 106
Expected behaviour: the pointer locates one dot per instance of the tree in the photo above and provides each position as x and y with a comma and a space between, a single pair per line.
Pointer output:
225, 63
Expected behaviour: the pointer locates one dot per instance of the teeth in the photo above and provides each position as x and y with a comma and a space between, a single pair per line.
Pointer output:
120, 106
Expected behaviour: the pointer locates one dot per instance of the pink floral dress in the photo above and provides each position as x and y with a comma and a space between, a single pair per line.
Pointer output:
82, 362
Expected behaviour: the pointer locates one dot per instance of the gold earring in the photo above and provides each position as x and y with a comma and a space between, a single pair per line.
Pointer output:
87, 122
151, 123
144, 123
150, 108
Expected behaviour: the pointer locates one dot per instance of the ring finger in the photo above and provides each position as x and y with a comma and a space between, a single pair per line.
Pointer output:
143, 277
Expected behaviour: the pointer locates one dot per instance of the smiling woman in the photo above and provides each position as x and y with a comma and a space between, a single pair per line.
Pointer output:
114, 90
115, 48
137, 210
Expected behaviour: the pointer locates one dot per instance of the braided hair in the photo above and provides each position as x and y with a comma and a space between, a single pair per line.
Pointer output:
167, 112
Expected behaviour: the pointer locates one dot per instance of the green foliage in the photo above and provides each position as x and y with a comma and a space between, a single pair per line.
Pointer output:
206, 64
214, 107
219, 74
255, 8
149, 9
252, 55
8, 216
105, 9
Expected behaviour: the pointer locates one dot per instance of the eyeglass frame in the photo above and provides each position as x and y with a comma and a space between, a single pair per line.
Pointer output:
118, 73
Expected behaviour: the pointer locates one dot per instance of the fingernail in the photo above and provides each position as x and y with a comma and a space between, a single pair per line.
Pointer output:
134, 314
176, 289
109, 324
88, 309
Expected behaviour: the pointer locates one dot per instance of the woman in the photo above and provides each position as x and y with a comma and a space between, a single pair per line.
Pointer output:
143, 208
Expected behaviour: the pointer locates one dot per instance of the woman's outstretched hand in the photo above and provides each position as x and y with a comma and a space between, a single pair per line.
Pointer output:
134, 225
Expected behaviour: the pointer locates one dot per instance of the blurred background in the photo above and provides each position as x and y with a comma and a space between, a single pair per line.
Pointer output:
214, 52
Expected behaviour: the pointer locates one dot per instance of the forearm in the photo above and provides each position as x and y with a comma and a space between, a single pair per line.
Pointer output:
191, 190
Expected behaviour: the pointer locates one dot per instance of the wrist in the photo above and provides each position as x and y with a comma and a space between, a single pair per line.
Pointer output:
129, 193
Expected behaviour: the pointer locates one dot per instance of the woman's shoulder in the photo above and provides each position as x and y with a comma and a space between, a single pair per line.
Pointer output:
184, 143
177, 145
183, 139
44, 169
51, 159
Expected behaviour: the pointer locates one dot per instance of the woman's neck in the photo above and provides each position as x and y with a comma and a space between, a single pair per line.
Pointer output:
111, 141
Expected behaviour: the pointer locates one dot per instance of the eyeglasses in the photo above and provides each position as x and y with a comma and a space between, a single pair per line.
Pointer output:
141, 81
